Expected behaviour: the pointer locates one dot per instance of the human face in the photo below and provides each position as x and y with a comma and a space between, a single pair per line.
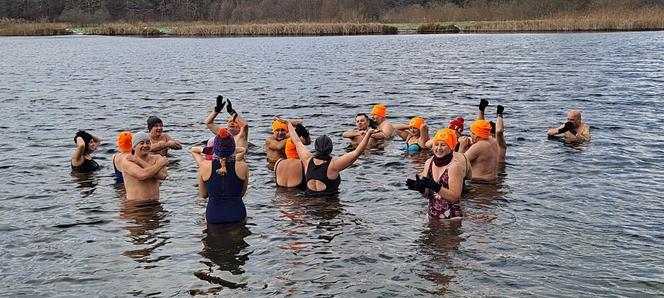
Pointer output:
279, 134
157, 129
440, 149
233, 127
574, 118
362, 123
142, 148
414, 131
92, 146
377, 119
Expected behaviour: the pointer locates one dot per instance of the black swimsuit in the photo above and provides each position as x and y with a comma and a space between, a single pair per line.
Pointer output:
88, 165
319, 172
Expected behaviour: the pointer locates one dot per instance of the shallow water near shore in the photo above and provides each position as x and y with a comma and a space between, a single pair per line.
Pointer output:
562, 221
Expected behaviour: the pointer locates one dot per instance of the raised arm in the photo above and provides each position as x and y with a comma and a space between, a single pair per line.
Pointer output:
424, 136
340, 163
302, 150
402, 130
209, 122
80, 150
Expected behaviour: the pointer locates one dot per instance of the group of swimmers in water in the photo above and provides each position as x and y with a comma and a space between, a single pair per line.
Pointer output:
223, 173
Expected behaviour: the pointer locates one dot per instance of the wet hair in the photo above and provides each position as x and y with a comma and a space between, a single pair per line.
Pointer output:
86, 138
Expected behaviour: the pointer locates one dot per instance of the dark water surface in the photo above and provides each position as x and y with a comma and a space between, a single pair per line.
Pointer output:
563, 221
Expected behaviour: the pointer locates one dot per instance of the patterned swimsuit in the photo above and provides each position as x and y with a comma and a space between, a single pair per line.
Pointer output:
440, 207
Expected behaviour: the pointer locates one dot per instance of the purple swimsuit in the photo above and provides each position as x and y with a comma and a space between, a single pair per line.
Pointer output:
440, 207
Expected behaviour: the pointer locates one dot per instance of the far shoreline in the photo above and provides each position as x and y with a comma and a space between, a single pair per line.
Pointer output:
210, 29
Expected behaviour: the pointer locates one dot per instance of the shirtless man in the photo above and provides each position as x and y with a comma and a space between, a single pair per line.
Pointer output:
574, 130
497, 129
142, 171
378, 114
289, 172
236, 125
362, 126
161, 142
275, 144
483, 152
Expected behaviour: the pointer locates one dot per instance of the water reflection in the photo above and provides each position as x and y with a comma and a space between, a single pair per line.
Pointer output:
224, 247
437, 243
86, 182
145, 222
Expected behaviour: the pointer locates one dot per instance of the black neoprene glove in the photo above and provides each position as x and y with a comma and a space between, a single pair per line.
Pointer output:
220, 104
415, 184
229, 107
301, 131
430, 184
483, 104
569, 126
499, 110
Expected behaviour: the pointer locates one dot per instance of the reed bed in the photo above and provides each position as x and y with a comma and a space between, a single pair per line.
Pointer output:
281, 29
608, 20
136, 29
432, 28
19, 28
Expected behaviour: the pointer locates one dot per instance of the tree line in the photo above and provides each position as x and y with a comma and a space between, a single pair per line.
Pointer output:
279, 11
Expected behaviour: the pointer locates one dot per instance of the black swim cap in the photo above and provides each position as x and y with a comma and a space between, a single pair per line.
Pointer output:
152, 121
323, 146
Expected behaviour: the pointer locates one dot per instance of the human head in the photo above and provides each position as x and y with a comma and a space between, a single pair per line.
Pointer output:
233, 125
224, 144
444, 142
415, 124
362, 121
480, 129
574, 116
90, 144
155, 125
323, 146
279, 129
291, 150
140, 142
124, 141
457, 125
378, 113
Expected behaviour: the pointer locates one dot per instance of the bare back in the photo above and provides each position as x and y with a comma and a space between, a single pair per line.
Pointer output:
484, 157
289, 172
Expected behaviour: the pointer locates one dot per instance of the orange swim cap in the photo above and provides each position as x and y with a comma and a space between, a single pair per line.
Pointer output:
124, 141
379, 110
416, 122
481, 128
291, 151
276, 124
448, 136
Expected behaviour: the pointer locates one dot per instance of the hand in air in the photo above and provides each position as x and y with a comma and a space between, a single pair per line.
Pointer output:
229, 108
499, 110
220, 104
483, 104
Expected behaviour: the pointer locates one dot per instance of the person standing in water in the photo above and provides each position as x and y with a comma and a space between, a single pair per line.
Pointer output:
415, 134
124, 146
379, 115
289, 171
483, 153
143, 171
574, 130
321, 169
161, 141
81, 159
223, 181
236, 125
444, 176
356, 135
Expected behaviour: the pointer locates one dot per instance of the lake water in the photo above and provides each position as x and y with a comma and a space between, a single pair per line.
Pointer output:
563, 221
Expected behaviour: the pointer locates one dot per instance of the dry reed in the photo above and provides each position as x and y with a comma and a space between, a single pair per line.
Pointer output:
9, 27
431, 28
606, 20
280, 29
138, 29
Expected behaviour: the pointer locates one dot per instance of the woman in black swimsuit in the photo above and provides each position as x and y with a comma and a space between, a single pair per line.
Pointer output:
81, 160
